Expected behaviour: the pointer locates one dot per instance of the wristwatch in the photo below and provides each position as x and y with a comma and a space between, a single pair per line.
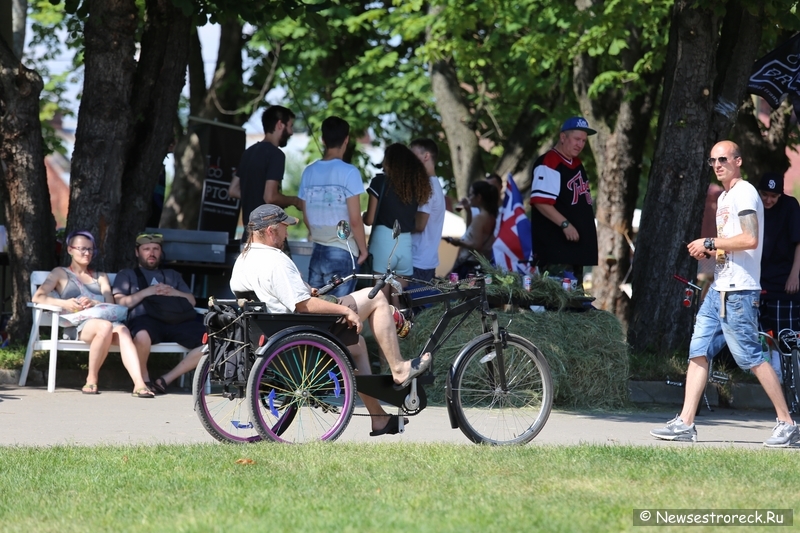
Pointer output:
708, 244
565, 224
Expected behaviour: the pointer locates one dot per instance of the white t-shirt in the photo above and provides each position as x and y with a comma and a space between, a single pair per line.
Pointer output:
272, 276
325, 187
425, 244
738, 271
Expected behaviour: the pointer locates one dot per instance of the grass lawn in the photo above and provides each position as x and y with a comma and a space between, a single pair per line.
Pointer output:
391, 487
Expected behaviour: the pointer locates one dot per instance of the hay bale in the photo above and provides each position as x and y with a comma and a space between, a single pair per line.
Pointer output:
586, 351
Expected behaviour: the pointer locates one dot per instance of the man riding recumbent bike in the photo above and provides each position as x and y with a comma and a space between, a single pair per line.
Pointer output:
288, 377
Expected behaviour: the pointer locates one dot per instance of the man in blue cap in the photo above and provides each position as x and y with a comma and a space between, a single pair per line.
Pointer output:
562, 218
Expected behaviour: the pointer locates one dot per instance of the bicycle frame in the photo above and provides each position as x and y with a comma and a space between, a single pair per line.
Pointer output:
469, 299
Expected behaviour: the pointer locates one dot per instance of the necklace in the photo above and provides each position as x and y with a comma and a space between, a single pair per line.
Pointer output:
733, 184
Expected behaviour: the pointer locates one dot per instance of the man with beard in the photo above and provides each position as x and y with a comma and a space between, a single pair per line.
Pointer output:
258, 177
132, 286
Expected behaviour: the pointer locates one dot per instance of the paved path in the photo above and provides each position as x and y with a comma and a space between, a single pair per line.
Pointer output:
30, 416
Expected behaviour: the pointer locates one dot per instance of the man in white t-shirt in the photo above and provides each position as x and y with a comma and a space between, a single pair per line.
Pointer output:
330, 190
263, 269
729, 313
429, 221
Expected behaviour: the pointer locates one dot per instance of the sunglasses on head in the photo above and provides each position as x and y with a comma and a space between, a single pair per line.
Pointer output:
149, 238
722, 160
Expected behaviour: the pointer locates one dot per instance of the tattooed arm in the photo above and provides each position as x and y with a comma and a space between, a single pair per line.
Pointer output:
746, 240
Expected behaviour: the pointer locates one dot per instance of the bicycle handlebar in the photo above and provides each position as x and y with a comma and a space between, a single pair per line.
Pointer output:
378, 286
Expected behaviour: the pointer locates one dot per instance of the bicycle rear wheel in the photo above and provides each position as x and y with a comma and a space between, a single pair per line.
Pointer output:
791, 376
302, 390
486, 413
222, 409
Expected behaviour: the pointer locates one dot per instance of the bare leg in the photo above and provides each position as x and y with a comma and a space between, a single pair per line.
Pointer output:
129, 356
98, 334
186, 364
379, 314
143, 343
378, 415
769, 380
696, 379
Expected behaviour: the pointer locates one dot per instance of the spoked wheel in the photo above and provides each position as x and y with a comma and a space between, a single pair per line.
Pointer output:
791, 381
302, 390
222, 409
489, 414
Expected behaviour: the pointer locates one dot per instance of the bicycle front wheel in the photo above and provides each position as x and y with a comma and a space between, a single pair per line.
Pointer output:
302, 390
222, 409
490, 414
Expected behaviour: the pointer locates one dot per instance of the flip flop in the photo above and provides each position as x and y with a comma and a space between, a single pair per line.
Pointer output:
144, 392
90, 388
160, 385
418, 366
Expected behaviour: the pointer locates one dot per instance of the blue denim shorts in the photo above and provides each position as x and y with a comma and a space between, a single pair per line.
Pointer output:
327, 261
739, 328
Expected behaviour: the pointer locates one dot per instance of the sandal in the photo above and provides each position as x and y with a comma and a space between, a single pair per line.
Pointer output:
418, 366
160, 385
90, 388
144, 392
391, 428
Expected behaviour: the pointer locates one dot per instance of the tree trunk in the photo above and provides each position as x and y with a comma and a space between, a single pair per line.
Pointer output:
520, 146
19, 17
622, 121
763, 148
23, 181
104, 132
160, 77
465, 153
218, 102
706, 76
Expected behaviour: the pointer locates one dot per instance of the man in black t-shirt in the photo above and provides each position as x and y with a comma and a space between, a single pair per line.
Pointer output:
562, 218
258, 177
780, 258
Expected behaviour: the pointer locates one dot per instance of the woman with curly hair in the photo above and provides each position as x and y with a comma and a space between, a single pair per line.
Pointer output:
404, 186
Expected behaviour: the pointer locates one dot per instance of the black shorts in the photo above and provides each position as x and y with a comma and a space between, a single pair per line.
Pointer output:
188, 334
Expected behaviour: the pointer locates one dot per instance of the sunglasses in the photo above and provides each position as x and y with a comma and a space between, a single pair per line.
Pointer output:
83, 249
722, 160
149, 238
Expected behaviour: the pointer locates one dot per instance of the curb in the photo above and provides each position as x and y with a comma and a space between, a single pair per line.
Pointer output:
744, 395
11, 377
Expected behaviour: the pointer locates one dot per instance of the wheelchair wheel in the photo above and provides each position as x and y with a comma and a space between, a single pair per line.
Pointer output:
222, 409
489, 415
302, 390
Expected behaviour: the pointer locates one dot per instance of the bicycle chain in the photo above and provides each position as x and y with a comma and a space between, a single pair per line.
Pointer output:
444, 286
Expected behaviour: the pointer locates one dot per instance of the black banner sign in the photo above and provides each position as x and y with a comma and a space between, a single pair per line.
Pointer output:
777, 73
223, 146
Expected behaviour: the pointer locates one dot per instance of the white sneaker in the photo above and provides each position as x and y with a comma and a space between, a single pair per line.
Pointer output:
783, 435
676, 430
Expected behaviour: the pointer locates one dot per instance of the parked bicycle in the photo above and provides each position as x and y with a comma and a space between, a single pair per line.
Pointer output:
289, 377
787, 346
718, 378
